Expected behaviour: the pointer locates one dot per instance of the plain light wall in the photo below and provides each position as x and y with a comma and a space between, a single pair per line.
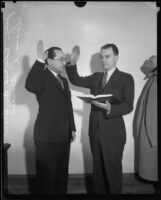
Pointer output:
132, 26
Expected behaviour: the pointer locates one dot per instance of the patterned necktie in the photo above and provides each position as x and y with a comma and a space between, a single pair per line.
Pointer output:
60, 81
104, 79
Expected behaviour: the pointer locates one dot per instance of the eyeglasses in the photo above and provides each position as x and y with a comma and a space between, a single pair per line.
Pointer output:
61, 59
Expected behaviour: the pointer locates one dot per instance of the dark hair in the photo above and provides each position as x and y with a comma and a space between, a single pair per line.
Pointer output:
153, 70
51, 52
113, 46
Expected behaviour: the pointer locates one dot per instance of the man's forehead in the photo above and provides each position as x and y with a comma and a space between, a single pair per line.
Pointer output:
59, 53
153, 57
106, 51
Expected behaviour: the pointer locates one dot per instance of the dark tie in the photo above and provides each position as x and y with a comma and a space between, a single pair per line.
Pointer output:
60, 81
104, 79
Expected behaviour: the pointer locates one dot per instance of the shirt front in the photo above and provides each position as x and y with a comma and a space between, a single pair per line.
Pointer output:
109, 74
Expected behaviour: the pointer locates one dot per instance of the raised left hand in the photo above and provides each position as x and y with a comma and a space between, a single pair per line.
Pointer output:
40, 50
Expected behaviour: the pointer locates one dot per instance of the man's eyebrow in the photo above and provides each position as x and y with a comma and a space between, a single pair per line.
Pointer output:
61, 57
104, 55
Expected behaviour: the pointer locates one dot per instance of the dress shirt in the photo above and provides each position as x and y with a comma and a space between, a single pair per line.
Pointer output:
109, 74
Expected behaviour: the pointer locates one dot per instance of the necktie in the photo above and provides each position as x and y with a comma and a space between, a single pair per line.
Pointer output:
60, 81
104, 79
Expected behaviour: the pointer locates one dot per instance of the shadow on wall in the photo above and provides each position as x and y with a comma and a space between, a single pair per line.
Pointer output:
23, 97
88, 162
84, 113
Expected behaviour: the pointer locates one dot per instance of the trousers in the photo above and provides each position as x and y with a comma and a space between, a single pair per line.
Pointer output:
52, 160
107, 164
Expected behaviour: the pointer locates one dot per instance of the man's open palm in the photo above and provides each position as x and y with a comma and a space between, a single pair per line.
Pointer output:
40, 50
75, 54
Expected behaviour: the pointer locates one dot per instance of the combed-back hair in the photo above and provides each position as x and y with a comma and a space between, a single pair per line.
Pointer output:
113, 46
51, 52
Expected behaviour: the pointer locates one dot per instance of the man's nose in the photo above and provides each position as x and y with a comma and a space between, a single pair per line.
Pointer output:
64, 61
102, 59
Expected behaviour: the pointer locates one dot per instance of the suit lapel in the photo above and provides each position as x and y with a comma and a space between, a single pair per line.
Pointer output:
114, 77
65, 85
100, 89
54, 81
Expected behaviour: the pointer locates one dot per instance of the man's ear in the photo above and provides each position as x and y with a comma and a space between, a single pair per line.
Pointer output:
116, 58
49, 60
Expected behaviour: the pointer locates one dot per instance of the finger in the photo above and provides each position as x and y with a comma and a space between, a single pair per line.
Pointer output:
76, 49
95, 103
107, 101
40, 46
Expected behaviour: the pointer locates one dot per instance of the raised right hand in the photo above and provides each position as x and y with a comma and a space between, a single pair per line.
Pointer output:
75, 54
40, 50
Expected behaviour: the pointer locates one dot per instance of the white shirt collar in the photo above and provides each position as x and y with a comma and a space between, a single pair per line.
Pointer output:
110, 72
54, 73
42, 61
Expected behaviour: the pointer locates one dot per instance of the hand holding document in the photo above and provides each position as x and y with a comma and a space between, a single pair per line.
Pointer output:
88, 98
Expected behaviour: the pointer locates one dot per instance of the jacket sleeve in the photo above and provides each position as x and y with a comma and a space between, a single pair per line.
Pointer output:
77, 80
72, 122
126, 106
34, 81
151, 114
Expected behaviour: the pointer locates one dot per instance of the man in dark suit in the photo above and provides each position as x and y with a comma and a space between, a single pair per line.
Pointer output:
107, 132
54, 127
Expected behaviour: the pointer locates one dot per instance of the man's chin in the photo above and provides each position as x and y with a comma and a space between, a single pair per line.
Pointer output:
106, 67
62, 69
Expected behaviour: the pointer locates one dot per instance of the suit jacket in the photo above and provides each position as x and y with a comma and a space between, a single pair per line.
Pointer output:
55, 118
121, 85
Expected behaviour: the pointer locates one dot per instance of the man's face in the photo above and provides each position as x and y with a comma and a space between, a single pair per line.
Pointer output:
57, 64
108, 58
149, 65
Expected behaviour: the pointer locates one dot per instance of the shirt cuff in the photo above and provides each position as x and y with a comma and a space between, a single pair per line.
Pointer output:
68, 63
41, 60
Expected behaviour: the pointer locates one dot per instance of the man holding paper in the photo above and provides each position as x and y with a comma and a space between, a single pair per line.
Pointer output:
107, 132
